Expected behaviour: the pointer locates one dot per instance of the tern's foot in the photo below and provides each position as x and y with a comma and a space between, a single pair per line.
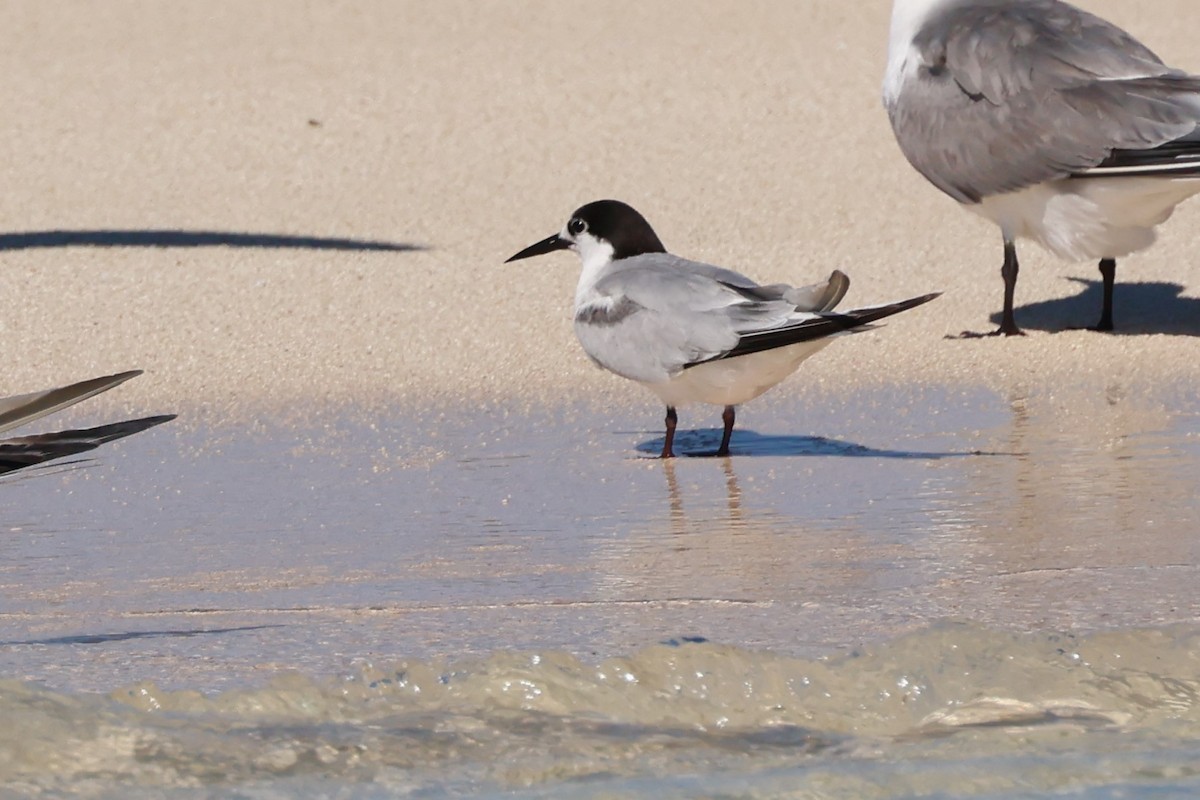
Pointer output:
709, 454
1093, 328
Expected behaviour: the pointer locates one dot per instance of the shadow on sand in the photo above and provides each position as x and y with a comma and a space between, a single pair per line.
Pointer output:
103, 638
1139, 309
30, 240
749, 443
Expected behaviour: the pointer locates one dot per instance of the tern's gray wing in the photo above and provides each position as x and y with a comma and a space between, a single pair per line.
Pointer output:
820, 296
24, 408
721, 274
29, 450
1010, 94
648, 321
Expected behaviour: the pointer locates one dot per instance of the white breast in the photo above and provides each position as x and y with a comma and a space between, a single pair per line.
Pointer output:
1090, 218
733, 381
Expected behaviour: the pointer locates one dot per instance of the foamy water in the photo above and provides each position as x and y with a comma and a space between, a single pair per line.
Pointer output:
911, 594
956, 709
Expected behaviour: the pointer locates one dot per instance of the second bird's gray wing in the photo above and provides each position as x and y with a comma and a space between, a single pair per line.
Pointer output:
648, 322
1009, 95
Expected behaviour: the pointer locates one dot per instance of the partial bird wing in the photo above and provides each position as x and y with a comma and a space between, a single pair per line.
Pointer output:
1011, 94
20, 409
26, 451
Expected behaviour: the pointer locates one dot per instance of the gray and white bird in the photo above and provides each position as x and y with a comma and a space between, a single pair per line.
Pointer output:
1047, 120
25, 451
692, 332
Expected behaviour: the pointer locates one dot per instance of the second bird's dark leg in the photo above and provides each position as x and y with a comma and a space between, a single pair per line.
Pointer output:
727, 417
1108, 269
672, 419
1008, 323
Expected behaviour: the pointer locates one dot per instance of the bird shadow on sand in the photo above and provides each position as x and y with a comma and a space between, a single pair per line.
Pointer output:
1139, 309
33, 240
704, 443
104, 638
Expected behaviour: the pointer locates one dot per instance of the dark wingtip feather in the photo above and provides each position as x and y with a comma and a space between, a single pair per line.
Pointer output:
27, 451
819, 327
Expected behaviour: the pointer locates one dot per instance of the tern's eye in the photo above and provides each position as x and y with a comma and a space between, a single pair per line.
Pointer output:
576, 226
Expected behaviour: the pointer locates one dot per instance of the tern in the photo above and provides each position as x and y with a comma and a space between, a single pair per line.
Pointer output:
26, 451
692, 332
1047, 120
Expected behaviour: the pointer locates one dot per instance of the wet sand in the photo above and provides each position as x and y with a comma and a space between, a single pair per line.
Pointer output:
749, 136
211, 558
901, 593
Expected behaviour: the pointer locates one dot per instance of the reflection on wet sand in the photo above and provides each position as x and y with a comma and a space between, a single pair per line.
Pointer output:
1082, 513
714, 543
733, 494
711, 554
1093, 524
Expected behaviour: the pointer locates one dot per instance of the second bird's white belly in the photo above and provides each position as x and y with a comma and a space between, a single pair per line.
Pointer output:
1089, 218
732, 381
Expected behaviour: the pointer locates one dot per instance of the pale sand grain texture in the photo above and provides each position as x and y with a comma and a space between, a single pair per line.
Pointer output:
750, 134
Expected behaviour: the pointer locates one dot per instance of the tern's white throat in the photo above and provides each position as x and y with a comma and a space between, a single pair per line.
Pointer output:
594, 255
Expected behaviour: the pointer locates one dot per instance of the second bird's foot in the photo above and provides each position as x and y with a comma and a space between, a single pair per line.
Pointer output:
977, 335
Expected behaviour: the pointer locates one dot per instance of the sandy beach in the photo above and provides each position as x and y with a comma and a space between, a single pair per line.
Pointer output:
749, 135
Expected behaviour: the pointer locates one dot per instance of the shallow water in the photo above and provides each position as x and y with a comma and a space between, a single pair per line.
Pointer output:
898, 594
